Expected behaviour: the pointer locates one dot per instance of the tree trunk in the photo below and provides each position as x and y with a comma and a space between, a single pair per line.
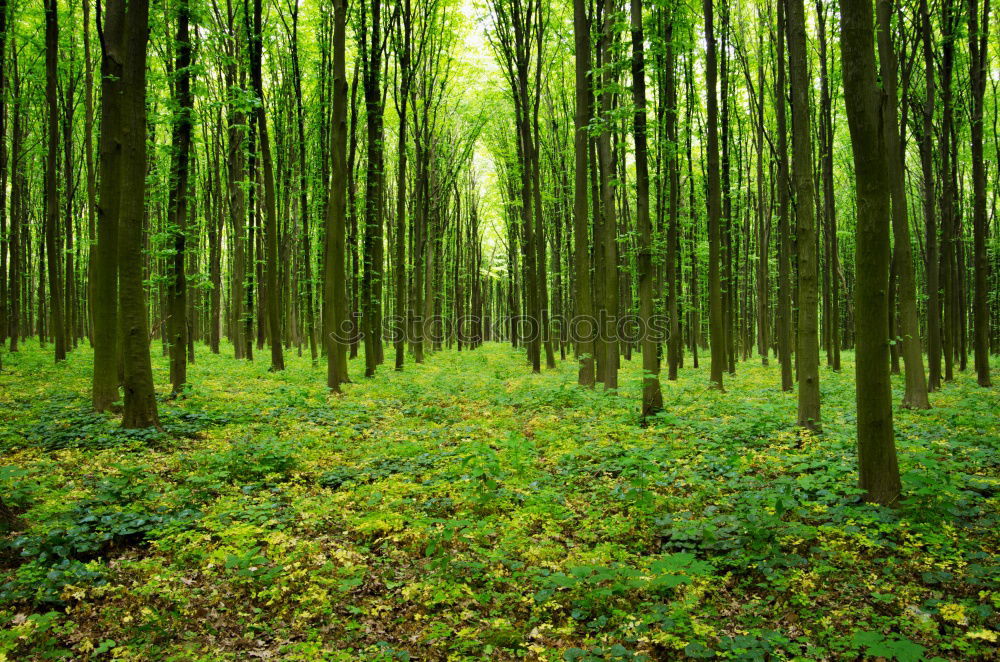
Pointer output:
716, 320
105, 384
310, 317
334, 277
177, 322
273, 297
406, 26
52, 248
878, 467
584, 323
915, 396
930, 221
802, 172
652, 398
784, 231
674, 274
978, 55
140, 401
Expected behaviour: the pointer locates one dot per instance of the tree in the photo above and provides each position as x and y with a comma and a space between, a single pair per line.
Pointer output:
716, 321
652, 399
784, 325
581, 251
270, 211
177, 322
878, 467
52, 247
300, 126
7, 285
334, 277
930, 220
106, 347
916, 384
831, 284
371, 52
402, 100
802, 173
674, 342
140, 400
979, 28
607, 228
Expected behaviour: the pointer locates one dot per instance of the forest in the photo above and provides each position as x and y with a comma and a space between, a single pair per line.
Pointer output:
555, 330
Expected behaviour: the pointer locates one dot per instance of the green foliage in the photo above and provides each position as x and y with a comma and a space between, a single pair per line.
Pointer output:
468, 508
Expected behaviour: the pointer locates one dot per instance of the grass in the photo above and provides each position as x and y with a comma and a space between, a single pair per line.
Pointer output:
466, 509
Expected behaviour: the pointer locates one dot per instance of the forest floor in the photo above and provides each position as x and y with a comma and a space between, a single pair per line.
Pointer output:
466, 509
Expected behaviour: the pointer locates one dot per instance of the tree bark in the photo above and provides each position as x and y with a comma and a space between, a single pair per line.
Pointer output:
878, 467
915, 396
105, 383
802, 172
177, 322
930, 221
716, 320
652, 398
581, 247
52, 247
978, 56
273, 298
140, 401
784, 325
334, 278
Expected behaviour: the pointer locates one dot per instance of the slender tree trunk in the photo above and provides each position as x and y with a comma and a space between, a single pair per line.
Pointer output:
878, 467
88, 147
105, 384
763, 234
831, 283
674, 274
978, 56
6, 239
802, 172
52, 248
784, 231
273, 298
335, 321
947, 47
140, 401
19, 253
609, 217
915, 396
930, 222
406, 26
652, 398
717, 329
372, 54
310, 318
177, 322
584, 323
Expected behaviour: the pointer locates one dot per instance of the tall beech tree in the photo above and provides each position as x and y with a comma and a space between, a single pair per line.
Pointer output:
978, 33
715, 303
335, 316
807, 353
652, 398
177, 322
915, 395
139, 397
53, 246
583, 331
878, 466
270, 203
